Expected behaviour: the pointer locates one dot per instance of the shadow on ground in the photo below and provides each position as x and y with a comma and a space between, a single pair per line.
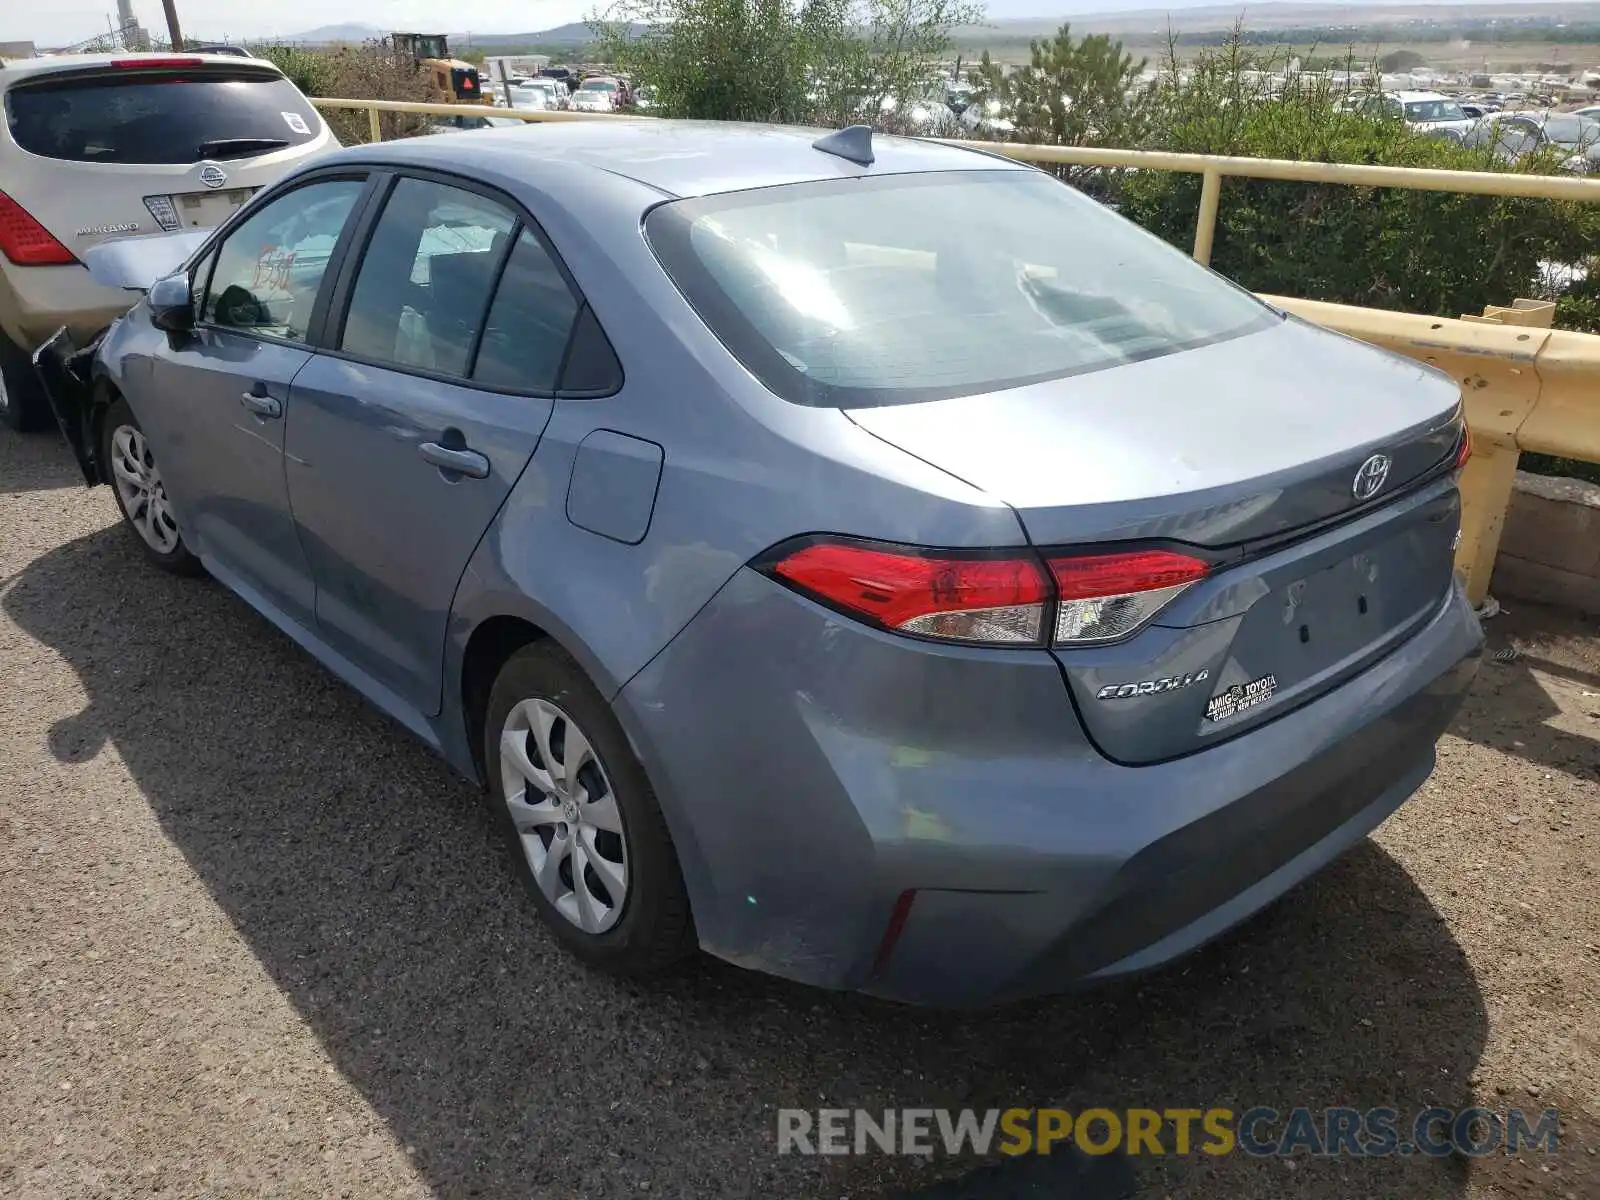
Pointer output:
36, 462
369, 882
1514, 711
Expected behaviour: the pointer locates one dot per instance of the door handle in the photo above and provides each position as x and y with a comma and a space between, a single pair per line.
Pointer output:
261, 404
463, 462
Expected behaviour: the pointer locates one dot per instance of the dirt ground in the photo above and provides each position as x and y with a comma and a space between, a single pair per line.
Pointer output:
255, 941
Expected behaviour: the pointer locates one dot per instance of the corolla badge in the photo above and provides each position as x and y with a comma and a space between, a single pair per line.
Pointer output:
213, 176
1151, 687
1370, 477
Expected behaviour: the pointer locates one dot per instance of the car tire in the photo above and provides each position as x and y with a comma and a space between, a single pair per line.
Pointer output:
560, 831
135, 478
22, 402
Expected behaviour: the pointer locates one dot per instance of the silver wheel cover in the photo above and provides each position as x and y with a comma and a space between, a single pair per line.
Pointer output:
139, 487
560, 800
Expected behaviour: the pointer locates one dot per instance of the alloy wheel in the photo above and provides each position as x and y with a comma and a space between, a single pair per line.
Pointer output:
139, 486
565, 814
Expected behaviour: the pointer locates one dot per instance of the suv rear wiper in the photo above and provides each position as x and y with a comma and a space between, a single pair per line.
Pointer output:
235, 147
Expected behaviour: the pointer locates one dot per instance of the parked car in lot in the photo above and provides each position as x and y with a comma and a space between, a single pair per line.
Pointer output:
783, 608
598, 93
97, 147
1425, 112
1513, 136
461, 122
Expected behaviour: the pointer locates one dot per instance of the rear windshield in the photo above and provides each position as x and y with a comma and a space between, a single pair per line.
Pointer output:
165, 117
898, 289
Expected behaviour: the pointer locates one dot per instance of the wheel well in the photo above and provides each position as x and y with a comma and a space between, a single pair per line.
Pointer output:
491, 643
101, 399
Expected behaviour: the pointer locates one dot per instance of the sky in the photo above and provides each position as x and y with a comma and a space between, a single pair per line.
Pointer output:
66, 21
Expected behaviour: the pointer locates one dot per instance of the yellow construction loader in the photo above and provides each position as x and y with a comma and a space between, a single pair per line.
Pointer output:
450, 80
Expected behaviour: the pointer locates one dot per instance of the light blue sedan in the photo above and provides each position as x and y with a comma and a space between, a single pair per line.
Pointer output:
868, 560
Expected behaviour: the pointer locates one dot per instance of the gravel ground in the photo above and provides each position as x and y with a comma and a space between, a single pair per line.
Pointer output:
258, 942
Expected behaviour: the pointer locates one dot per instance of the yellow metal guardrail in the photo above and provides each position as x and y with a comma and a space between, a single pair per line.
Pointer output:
376, 108
1211, 168
1526, 386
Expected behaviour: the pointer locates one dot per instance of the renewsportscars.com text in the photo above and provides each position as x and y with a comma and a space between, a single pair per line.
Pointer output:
1260, 1131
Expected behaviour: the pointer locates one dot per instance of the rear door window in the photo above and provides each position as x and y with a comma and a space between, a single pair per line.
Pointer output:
424, 282
529, 323
166, 116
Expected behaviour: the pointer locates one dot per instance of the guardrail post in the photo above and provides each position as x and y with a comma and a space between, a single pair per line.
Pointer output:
1532, 314
1205, 227
1486, 487
375, 124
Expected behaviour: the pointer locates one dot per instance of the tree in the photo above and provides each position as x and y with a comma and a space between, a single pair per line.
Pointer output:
1400, 60
1073, 92
798, 61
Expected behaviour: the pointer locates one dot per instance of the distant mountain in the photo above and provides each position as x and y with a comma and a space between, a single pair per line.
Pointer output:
349, 32
574, 34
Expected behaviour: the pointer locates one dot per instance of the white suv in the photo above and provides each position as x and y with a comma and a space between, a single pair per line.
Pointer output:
106, 146
1426, 112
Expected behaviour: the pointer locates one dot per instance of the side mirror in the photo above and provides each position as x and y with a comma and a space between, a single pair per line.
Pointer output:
171, 307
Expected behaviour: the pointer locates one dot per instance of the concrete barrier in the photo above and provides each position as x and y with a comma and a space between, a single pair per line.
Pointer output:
1550, 549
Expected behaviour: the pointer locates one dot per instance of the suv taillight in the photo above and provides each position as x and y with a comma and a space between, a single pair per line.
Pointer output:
26, 242
1464, 449
1004, 598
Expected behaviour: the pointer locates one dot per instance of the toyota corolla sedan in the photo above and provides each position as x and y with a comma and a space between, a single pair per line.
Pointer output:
866, 560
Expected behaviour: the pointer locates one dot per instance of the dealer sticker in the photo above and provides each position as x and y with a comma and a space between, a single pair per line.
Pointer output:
297, 123
1239, 697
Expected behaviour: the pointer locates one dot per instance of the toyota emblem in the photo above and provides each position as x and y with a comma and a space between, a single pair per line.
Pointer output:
1370, 478
213, 176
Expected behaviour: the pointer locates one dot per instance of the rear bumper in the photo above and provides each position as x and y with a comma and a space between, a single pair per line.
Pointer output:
37, 301
813, 772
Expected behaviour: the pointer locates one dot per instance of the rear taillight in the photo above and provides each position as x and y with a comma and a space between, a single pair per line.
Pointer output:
1464, 448
933, 594
1103, 597
26, 242
1002, 599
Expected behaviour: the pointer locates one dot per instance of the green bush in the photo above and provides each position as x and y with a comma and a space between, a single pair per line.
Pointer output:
1441, 253
307, 70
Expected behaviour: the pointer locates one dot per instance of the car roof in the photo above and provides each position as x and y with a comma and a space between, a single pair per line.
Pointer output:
1405, 96
13, 69
679, 158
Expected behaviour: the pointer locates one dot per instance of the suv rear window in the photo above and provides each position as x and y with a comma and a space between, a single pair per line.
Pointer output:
160, 116
903, 288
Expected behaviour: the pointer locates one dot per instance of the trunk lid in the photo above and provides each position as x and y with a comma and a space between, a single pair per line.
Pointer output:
1264, 635
1246, 453
1243, 439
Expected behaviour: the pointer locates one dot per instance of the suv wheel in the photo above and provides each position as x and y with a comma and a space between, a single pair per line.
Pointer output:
22, 402
591, 844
